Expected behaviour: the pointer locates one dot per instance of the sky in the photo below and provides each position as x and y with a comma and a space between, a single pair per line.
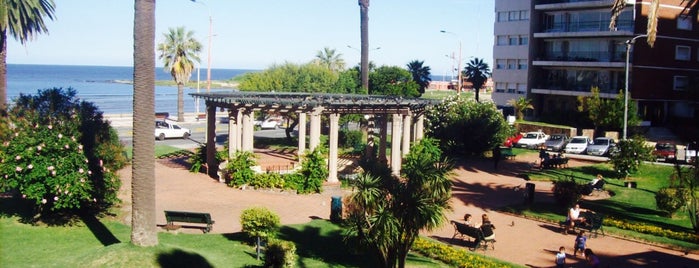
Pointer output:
260, 33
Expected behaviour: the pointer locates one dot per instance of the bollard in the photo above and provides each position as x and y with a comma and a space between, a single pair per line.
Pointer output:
336, 209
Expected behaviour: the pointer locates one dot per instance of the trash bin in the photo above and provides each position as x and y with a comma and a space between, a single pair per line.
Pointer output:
529, 193
336, 209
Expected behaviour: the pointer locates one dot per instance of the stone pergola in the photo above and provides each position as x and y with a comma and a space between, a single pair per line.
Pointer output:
407, 120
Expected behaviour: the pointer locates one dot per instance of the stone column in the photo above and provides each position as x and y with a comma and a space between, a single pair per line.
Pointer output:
406, 134
384, 138
332, 154
211, 165
233, 132
302, 135
395, 144
248, 131
239, 129
315, 128
420, 127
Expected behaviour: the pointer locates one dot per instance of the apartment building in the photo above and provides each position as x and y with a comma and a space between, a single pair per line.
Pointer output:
552, 51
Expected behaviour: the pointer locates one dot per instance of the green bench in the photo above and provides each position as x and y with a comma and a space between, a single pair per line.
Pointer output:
188, 217
507, 153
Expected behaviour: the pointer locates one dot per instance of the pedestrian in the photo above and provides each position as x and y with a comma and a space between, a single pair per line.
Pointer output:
591, 258
496, 156
580, 241
542, 155
561, 257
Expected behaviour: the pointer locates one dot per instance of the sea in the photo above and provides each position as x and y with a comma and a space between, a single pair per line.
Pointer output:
108, 87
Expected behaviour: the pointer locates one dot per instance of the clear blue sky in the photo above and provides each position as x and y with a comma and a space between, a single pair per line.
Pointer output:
256, 34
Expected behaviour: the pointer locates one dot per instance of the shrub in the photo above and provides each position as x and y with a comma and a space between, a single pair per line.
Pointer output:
629, 156
567, 192
260, 223
452, 255
280, 253
239, 168
314, 171
351, 138
671, 199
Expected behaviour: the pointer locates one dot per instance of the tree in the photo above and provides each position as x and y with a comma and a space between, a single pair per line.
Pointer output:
260, 223
520, 105
629, 155
607, 113
387, 213
686, 181
364, 32
330, 59
421, 74
690, 8
178, 52
392, 81
24, 19
477, 72
143, 232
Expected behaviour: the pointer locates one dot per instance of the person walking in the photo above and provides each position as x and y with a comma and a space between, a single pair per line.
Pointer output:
561, 257
580, 241
591, 258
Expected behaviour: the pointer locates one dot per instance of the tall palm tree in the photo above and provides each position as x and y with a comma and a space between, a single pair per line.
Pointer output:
143, 232
24, 19
178, 52
520, 105
477, 72
329, 58
364, 28
421, 74
690, 8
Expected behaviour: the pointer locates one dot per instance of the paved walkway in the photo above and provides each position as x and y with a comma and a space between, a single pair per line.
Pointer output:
478, 189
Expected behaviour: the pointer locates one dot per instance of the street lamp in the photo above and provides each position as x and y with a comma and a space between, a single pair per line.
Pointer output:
629, 44
452, 65
458, 83
208, 60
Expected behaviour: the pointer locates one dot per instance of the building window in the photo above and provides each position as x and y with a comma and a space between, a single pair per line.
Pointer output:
523, 40
511, 88
522, 64
513, 40
502, 40
521, 89
500, 87
524, 14
684, 22
683, 53
512, 64
513, 16
680, 83
502, 16
500, 64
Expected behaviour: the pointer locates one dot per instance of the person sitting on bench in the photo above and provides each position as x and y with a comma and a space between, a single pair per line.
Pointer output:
596, 184
574, 217
467, 220
487, 228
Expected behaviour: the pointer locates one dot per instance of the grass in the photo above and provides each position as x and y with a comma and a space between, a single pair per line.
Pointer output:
160, 149
628, 204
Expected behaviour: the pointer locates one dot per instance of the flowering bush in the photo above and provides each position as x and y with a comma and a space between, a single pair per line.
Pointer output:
650, 229
59, 152
452, 255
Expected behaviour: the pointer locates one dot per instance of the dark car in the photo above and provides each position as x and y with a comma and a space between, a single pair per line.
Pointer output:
556, 142
665, 151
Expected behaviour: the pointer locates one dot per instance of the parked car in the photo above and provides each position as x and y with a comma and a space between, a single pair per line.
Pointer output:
556, 142
532, 140
270, 123
577, 145
665, 151
601, 146
165, 130
511, 141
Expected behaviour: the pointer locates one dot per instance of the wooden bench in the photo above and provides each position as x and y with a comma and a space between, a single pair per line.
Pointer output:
461, 229
593, 224
189, 217
507, 153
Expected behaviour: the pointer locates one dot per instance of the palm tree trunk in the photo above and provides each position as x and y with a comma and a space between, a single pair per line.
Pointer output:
364, 26
143, 232
180, 102
3, 71
477, 94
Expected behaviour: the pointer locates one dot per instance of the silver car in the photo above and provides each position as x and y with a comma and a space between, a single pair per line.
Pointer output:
601, 146
556, 142
577, 145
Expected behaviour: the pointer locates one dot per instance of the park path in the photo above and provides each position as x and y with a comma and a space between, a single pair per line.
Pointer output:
478, 188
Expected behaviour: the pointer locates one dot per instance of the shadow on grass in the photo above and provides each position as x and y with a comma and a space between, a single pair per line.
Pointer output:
180, 258
99, 230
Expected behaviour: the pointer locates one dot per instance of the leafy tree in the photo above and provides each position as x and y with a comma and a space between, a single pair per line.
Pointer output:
330, 59
629, 155
393, 81
686, 180
387, 213
290, 77
690, 8
520, 105
60, 153
477, 72
143, 232
24, 19
348, 82
314, 170
364, 34
260, 223
466, 127
178, 52
421, 74
607, 113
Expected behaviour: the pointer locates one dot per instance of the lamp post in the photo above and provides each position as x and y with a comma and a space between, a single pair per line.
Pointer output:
458, 83
208, 60
629, 44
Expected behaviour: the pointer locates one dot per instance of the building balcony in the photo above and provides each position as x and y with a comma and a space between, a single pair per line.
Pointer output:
571, 4
585, 56
574, 89
587, 26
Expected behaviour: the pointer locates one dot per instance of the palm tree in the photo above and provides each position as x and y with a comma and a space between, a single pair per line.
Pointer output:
24, 19
477, 72
421, 74
330, 59
690, 8
143, 232
364, 27
520, 105
178, 53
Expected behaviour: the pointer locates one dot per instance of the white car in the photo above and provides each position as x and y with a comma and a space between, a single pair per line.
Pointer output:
532, 140
165, 130
270, 124
577, 145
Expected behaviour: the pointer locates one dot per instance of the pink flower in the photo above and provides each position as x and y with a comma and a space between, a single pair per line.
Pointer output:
50, 168
72, 138
55, 198
50, 126
18, 169
82, 180
16, 134
87, 161
60, 135
38, 148
81, 170
24, 196
80, 146
67, 146
53, 173
30, 166
89, 172
94, 200
43, 201
65, 192
100, 162
18, 157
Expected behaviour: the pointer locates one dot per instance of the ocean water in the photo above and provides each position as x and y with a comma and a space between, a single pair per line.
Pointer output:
106, 86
